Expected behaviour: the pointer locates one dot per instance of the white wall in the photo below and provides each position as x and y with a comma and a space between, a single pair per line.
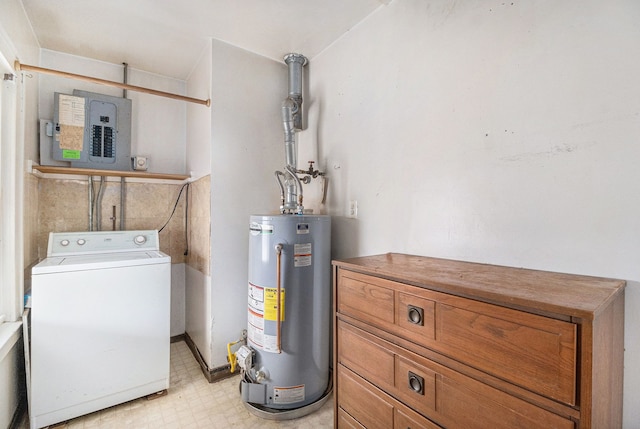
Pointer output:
499, 132
198, 151
11, 371
239, 141
198, 319
178, 316
197, 284
247, 147
17, 41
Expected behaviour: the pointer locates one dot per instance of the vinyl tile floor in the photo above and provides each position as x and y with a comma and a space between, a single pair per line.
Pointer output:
191, 402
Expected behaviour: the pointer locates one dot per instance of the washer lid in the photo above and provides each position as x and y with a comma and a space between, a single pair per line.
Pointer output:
59, 264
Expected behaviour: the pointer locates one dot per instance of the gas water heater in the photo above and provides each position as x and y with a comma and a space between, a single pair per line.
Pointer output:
289, 295
285, 363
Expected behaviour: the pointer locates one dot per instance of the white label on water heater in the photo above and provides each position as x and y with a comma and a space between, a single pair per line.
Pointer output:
255, 331
256, 297
256, 228
302, 255
255, 319
288, 395
270, 344
255, 336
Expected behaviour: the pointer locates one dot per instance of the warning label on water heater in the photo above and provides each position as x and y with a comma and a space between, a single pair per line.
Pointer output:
271, 304
288, 395
302, 255
263, 307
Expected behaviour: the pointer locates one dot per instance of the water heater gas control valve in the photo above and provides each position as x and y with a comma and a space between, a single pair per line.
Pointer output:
244, 356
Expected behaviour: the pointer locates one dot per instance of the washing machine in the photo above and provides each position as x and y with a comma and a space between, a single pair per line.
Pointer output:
100, 323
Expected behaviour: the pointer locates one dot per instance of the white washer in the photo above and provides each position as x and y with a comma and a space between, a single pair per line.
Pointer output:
100, 335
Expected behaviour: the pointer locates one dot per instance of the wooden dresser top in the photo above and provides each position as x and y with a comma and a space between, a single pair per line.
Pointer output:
530, 290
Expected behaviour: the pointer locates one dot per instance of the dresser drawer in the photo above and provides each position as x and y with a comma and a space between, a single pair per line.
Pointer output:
345, 421
366, 298
362, 402
474, 405
362, 405
380, 364
365, 356
532, 351
404, 418
433, 390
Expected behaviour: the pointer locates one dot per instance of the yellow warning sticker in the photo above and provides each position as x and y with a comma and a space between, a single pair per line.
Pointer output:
271, 304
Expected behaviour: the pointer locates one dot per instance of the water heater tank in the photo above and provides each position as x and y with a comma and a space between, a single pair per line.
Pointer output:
291, 360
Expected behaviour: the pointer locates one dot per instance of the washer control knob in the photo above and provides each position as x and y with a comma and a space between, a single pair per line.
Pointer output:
81, 241
140, 239
64, 242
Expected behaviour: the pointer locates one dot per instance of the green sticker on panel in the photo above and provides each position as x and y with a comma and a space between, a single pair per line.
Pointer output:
71, 154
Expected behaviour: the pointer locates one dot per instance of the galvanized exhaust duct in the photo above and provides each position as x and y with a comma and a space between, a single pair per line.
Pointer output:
294, 101
291, 197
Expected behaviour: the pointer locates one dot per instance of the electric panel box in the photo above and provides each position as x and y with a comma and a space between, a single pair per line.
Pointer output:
89, 130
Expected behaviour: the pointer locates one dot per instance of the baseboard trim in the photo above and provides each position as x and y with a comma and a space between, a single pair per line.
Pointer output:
20, 413
211, 374
177, 338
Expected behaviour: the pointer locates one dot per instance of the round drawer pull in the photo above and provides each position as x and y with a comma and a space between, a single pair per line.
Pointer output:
416, 383
415, 315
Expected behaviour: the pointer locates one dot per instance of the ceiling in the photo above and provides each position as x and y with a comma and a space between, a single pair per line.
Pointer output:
168, 36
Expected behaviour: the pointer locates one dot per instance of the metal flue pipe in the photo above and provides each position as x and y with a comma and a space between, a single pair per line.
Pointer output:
295, 63
292, 106
292, 122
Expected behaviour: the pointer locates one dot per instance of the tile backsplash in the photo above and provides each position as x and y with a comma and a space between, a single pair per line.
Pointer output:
200, 225
63, 205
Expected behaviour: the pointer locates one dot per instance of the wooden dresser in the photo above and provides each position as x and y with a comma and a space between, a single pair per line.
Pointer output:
433, 343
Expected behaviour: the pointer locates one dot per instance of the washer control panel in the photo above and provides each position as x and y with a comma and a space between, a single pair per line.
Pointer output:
74, 243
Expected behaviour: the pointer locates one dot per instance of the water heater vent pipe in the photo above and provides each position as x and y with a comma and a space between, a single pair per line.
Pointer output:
292, 122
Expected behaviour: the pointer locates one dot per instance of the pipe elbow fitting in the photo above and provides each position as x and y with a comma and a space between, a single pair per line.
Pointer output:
289, 108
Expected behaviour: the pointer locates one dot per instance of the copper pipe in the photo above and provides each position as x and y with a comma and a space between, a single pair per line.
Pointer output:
278, 294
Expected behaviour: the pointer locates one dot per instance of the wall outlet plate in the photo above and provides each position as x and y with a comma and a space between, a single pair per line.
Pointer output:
140, 163
353, 209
